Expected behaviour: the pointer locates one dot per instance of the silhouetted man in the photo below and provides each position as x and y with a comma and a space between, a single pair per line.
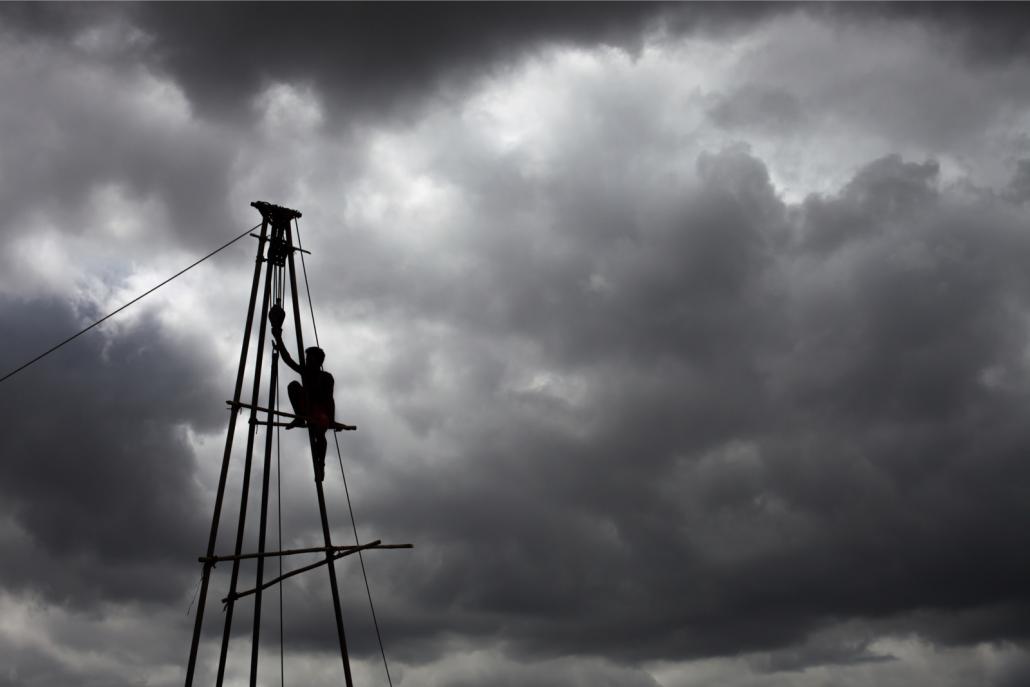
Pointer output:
312, 397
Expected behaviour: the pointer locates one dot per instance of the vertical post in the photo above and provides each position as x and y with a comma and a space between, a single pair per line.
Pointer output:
256, 639
255, 395
318, 485
220, 493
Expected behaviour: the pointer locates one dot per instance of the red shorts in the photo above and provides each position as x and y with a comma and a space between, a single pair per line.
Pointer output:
320, 419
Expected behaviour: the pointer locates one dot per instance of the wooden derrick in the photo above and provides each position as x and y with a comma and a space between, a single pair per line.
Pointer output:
276, 253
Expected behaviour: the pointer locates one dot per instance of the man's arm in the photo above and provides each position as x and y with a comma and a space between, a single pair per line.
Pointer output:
276, 317
285, 353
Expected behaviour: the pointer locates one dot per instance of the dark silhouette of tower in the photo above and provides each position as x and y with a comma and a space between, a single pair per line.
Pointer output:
275, 262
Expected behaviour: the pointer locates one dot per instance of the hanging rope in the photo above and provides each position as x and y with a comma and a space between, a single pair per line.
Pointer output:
361, 559
279, 505
134, 300
278, 288
307, 287
194, 599
346, 491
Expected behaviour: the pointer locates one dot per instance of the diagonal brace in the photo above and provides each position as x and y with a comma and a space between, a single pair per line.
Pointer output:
339, 554
314, 549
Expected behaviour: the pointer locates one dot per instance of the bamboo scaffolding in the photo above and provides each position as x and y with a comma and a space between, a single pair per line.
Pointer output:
317, 564
313, 549
336, 426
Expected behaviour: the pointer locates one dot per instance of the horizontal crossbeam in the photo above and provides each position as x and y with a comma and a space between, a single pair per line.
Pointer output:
336, 426
272, 424
293, 248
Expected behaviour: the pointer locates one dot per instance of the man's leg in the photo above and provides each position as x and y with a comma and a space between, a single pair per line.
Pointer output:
318, 455
299, 401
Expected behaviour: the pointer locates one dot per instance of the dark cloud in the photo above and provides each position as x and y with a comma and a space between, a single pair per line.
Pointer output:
884, 191
368, 58
374, 58
94, 138
54, 21
1019, 187
37, 666
567, 672
624, 405
77, 126
98, 471
768, 410
754, 106
987, 34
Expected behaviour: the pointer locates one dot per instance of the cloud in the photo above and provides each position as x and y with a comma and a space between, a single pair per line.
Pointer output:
475, 668
664, 350
996, 36
87, 427
79, 125
371, 60
915, 663
762, 107
759, 361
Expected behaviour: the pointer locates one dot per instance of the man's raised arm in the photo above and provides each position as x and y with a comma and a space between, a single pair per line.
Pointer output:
276, 316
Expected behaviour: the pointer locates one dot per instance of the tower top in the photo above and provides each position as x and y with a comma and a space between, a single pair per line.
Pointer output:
275, 214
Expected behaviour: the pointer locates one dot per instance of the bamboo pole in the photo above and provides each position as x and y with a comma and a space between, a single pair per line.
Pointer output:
255, 642
334, 587
230, 432
234, 576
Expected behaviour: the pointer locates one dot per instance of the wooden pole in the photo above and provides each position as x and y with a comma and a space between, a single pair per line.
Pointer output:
318, 485
234, 577
220, 492
266, 473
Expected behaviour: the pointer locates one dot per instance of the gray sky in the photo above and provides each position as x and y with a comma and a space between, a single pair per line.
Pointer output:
689, 344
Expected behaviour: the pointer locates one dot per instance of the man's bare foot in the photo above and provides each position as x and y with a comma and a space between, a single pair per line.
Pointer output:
297, 422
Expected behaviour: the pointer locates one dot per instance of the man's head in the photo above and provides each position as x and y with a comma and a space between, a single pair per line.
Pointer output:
314, 357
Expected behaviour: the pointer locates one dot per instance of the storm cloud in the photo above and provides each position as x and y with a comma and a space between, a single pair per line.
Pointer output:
687, 343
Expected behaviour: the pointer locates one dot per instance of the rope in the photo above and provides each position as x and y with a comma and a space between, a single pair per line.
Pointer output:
304, 267
134, 300
361, 559
278, 287
346, 491
194, 599
279, 505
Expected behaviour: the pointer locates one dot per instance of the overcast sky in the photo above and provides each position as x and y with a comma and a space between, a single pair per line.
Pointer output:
688, 344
